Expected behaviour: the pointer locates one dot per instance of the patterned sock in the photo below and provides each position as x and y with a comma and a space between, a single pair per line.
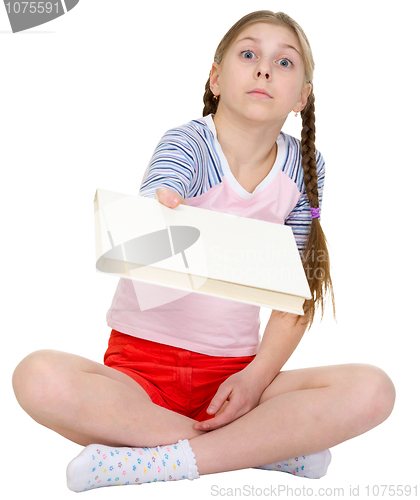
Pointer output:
311, 466
99, 465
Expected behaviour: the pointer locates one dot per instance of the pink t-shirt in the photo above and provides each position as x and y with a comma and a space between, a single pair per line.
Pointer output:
190, 161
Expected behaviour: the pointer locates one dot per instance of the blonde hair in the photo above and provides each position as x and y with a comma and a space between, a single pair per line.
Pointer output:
317, 270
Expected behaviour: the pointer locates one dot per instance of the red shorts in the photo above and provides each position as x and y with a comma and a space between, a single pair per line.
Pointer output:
179, 380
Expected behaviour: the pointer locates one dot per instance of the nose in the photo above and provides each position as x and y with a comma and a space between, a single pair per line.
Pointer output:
263, 70
267, 75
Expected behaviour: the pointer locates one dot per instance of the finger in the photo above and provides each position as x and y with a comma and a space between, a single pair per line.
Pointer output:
222, 408
169, 198
231, 413
218, 403
231, 410
198, 425
219, 398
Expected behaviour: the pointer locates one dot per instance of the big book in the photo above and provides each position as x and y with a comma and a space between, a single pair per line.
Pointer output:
199, 251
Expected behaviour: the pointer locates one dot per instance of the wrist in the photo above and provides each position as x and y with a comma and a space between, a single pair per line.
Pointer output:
262, 374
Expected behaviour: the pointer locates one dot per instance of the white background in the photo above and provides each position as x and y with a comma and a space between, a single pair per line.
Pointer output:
84, 100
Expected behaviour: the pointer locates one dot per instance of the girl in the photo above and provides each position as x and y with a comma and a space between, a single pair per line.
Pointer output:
187, 388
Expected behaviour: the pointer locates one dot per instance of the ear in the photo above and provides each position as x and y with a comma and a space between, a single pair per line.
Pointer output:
306, 90
214, 78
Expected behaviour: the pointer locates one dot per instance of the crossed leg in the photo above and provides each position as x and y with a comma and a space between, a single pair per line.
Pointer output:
301, 412
87, 402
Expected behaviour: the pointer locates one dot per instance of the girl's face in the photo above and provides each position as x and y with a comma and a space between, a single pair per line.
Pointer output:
261, 77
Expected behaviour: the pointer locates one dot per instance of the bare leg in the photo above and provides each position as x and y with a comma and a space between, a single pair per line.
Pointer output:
301, 412
87, 402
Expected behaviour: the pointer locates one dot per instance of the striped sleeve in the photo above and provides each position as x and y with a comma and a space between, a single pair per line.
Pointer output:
300, 218
172, 165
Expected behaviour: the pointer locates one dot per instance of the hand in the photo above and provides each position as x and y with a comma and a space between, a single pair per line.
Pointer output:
236, 396
169, 198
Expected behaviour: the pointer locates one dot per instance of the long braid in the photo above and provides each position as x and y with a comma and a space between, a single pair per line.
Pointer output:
315, 259
309, 151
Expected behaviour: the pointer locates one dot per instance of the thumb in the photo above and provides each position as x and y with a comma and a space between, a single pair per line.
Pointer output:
169, 198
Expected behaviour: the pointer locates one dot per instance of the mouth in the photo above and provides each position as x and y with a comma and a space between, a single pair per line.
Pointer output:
260, 93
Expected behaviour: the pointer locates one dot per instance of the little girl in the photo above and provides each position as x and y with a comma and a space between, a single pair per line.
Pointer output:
187, 388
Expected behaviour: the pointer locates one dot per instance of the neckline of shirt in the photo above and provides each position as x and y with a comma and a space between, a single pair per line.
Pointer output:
241, 191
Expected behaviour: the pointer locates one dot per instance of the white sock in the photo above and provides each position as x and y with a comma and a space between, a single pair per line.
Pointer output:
99, 465
311, 466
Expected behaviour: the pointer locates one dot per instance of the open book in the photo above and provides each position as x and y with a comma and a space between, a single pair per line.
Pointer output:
199, 250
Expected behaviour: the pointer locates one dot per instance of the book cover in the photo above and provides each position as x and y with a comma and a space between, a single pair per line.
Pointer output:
199, 250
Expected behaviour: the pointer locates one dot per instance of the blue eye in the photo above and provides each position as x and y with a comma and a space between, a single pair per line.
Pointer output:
285, 63
247, 54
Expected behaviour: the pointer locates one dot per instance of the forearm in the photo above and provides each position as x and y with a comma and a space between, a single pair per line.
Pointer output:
242, 391
281, 337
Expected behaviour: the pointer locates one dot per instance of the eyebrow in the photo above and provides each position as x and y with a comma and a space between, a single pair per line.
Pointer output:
258, 40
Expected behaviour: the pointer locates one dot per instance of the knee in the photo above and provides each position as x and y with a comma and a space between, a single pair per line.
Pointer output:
374, 394
35, 379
